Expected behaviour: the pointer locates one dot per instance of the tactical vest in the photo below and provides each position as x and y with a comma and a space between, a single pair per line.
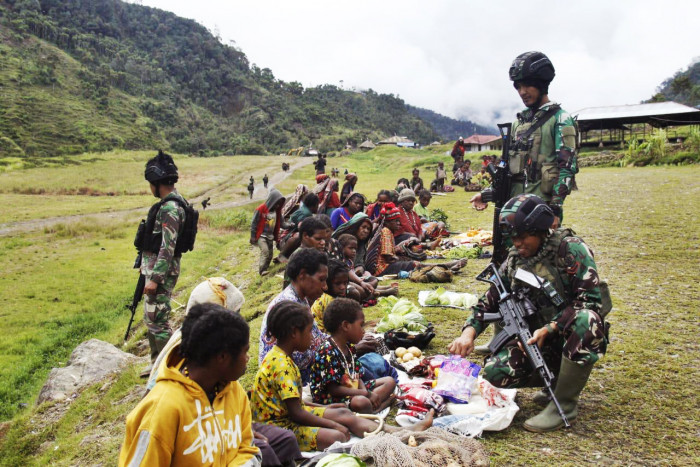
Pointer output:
549, 263
148, 239
532, 155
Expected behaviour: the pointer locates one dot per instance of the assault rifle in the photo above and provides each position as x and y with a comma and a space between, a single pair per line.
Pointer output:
512, 313
138, 294
499, 192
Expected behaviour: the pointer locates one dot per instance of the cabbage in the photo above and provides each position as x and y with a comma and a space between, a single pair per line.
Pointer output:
464, 300
402, 314
340, 460
437, 297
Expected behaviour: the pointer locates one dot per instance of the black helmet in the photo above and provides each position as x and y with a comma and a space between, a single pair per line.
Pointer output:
525, 213
531, 66
161, 169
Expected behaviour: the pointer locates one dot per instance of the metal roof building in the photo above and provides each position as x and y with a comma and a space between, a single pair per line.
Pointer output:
657, 114
611, 123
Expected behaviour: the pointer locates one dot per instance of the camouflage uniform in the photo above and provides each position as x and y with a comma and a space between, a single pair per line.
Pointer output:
164, 269
553, 148
567, 262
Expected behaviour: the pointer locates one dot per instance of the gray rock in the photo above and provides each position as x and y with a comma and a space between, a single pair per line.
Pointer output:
89, 363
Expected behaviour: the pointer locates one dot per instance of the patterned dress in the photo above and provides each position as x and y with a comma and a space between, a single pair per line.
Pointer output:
278, 379
332, 367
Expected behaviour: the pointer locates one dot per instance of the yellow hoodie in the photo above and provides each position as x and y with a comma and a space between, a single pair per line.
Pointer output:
176, 425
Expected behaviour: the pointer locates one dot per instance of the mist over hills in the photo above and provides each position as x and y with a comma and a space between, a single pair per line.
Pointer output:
93, 75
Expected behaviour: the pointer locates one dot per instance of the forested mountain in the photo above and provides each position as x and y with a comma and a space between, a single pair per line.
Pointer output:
449, 128
78, 75
683, 87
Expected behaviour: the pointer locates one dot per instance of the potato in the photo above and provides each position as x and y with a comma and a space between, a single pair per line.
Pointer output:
408, 356
415, 351
399, 352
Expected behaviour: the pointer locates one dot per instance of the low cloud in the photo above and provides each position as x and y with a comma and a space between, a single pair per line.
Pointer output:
453, 56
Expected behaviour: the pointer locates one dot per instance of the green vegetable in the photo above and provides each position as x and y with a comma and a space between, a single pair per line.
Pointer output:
400, 313
340, 460
464, 251
437, 297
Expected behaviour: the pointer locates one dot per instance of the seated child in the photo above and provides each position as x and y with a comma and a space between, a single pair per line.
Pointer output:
276, 395
337, 283
363, 284
336, 375
197, 410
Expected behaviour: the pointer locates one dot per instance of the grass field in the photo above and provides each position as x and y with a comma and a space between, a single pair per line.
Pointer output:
640, 406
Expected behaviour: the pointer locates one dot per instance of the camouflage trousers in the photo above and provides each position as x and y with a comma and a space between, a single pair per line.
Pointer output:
156, 312
583, 342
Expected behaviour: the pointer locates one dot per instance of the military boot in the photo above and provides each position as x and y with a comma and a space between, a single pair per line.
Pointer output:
484, 349
572, 379
541, 398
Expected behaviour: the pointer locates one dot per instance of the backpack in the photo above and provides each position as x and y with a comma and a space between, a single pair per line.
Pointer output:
147, 241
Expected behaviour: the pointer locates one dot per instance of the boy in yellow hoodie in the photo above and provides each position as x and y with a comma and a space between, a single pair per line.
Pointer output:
197, 414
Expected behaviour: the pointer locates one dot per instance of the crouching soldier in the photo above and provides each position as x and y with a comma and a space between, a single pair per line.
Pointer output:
572, 335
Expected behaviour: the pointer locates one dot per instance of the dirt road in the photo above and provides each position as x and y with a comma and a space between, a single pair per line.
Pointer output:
260, 193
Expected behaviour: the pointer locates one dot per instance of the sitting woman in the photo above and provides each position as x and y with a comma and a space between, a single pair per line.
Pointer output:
198, 381
383, 248
360, 227
276, 394
336, 374
410, 222
307, 270
354, 203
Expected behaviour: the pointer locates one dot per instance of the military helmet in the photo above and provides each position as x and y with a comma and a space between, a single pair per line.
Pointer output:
531, 65
525, 213
161, 169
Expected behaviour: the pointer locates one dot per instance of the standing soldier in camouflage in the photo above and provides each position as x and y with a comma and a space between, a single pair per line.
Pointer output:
572, 336
161, 264
545, 162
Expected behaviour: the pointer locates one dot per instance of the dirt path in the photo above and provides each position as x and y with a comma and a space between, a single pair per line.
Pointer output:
260, 193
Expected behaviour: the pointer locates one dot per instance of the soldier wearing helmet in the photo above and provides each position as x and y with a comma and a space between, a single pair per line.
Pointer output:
161, 265
570, 304
543, 161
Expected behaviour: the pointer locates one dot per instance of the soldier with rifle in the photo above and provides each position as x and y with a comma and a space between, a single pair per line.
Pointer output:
541, 154
156, 241
546, 294
539, 150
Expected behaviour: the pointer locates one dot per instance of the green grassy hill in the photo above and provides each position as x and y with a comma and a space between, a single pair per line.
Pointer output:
93, 75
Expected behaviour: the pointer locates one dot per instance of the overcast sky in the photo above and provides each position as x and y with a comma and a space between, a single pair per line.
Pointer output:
453, 56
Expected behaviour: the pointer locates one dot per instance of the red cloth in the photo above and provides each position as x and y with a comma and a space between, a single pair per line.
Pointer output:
334, 202
263, 211
389, 211
458, 149
410, 223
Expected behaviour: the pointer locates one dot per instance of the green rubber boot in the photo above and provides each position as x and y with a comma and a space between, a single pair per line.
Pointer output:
541, 398
572, 379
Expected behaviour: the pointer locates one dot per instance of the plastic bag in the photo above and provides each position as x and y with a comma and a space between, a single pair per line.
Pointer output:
457, 379
418, 399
